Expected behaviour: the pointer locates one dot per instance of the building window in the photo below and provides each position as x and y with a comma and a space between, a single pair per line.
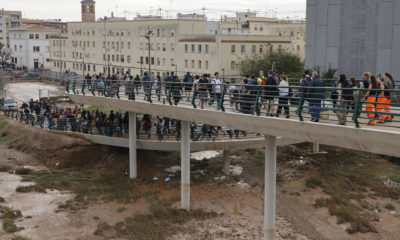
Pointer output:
147, 60
261, 48
158, 62
47, 36
207, 65
31, 37
37, 36
94, 68
199, 64
199, 48
193, 48
253, 49
233, 65
128, 59
129, 45
233, 49
152, 60
186, 48
113, 58
206, 50
36, 49
93, 44
243, 49
192, 63
172, 47
122, 58
186, 63
172, 32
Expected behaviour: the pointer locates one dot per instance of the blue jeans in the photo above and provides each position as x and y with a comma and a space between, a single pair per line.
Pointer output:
315, 109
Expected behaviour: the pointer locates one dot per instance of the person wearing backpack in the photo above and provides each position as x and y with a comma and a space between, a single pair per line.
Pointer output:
345, 97
188, 83
269, 93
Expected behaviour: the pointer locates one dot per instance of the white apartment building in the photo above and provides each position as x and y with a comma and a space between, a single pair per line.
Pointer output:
30, 46
8, 19
188, 43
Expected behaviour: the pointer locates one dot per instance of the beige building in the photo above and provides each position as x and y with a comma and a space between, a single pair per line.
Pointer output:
189, 43
8, 20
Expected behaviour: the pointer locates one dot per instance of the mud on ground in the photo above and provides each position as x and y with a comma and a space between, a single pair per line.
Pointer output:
231, 208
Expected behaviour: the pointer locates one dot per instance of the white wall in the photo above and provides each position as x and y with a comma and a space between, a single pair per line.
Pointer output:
25, 55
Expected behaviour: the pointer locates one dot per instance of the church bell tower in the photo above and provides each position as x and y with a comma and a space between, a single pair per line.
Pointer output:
88, 11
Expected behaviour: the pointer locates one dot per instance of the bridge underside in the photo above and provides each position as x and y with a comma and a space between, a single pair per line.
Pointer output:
362, 139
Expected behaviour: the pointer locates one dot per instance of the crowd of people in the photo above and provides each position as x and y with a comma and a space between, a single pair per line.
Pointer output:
272, 93
77, 119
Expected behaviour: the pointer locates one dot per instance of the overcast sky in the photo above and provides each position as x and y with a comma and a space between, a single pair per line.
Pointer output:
69, 10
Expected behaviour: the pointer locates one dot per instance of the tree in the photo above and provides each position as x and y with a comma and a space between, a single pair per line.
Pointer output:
278, 61
5, 55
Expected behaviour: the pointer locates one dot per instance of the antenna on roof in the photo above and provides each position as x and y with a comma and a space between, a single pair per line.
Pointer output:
203, 9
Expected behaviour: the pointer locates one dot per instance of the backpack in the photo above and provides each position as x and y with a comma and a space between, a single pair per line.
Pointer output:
347, 93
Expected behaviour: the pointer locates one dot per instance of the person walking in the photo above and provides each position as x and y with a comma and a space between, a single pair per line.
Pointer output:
371, 97
202, 87
384, 95
158, 86
146, 85
345, 97
316, 94
137, 82
188, 83
216, 84
283, 96
270, 91
391, 85
176, 90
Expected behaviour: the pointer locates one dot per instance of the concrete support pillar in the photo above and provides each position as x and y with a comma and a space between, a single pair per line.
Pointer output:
185, 165
227, 162
270, 188
315, 147
132, 146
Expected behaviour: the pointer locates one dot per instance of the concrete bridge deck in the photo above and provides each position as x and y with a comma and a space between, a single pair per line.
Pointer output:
370, 139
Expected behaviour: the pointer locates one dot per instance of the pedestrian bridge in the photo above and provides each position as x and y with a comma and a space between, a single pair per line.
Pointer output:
245, 110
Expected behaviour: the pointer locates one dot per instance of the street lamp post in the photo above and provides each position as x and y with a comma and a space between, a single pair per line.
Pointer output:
105, 47
59, 49
148, 35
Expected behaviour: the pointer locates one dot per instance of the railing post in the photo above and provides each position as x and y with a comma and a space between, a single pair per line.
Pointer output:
194, 96
73, 86
149, 93
67, 85
257, 104
169, 96
83, 86
105, 88
132, 93
301, 103
221, 101
92, 90
357, 110
117, 93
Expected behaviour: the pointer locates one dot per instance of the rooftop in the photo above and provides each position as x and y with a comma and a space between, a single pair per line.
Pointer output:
34, 27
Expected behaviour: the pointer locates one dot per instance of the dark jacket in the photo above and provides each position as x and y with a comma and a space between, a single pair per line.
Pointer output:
316, 94
271, 87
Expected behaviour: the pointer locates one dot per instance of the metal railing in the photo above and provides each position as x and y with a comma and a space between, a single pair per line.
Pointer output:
319, 104
147, 129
